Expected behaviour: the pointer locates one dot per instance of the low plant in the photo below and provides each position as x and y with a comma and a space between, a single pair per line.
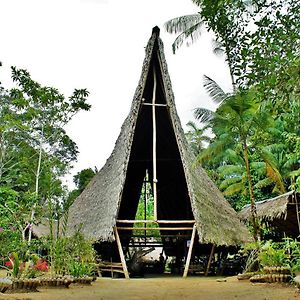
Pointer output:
31, 268
272, 255
71, 256
81, 269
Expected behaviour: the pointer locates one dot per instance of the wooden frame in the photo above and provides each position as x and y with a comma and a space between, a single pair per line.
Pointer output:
123, 261
212, 252
155, 228
188, 259
157, 221
154, 144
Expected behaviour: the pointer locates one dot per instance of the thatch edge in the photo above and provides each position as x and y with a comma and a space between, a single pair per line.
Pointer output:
268, 209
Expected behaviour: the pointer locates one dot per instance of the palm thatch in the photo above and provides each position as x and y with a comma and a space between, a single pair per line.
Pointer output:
43, 228
184, 192
280, 213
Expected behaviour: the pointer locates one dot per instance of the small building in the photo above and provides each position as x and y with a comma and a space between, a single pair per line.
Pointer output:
280, 215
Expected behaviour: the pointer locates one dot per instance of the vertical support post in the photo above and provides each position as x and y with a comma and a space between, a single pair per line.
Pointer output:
212, 252
297, 211
121, 253
145, 206
188, 259
154, 145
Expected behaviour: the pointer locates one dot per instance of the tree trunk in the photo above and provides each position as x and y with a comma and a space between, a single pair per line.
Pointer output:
251, 193
37, 180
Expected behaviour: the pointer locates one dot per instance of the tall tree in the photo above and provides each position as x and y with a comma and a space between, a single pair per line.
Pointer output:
47, 111
196, 137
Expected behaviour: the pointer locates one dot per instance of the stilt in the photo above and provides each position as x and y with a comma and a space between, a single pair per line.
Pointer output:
121, 253
188, 259
297, 211
212, 252
154, 145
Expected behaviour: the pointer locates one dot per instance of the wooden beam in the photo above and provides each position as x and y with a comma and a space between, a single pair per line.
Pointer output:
188, 259
155, 228
212, 252
155, 104
158, 221
123, 261
154, 145
297, 212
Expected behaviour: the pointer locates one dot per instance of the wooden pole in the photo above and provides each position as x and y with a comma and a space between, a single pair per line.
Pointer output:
297, 211
158, 221
154, 145
145, 205
212, 252
121, 253
188, 259
155, 228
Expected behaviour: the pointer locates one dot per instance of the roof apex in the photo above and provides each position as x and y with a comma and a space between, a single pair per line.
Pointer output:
156, 30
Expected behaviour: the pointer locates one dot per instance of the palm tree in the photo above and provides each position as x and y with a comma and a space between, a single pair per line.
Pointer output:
196, 137
217, 16
238, 117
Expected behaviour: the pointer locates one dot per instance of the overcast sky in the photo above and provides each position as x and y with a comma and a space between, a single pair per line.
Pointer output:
99, 45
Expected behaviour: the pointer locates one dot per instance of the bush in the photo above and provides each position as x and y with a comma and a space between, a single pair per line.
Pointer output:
72, 256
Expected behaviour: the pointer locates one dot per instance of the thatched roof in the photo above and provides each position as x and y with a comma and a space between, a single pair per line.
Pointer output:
279, 214
43, 228
270, 209
184, 192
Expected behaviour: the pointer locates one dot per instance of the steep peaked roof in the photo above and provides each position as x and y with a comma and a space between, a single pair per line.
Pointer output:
102, 202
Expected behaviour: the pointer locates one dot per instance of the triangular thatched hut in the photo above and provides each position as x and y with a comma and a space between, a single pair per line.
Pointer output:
152, 139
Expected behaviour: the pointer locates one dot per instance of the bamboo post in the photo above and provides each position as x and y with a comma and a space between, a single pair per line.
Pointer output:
155, 228
157, 221
297, 211
121, 253
188, 259
212, 252
145, 206
154, 145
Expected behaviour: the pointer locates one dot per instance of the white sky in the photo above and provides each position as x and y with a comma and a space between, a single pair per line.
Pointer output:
99, 45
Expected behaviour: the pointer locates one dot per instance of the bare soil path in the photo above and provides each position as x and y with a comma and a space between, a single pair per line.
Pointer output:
166, 289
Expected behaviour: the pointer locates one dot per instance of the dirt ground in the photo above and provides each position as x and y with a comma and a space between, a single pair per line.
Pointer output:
166, 289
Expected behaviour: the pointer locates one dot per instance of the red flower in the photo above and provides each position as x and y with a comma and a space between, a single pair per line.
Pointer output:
41, 265
9, 264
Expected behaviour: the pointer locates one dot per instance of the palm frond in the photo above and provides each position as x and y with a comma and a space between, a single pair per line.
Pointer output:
275, 148
259, 167
192, 125
291, 162
263, 183
226, 183
214, 150
203, 114
272, 170
214, 90
230, 170
232, 156
182, 23
189, 36
234, 189
218, 48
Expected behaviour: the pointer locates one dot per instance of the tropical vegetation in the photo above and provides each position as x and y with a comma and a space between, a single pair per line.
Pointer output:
35, 153
254, 152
